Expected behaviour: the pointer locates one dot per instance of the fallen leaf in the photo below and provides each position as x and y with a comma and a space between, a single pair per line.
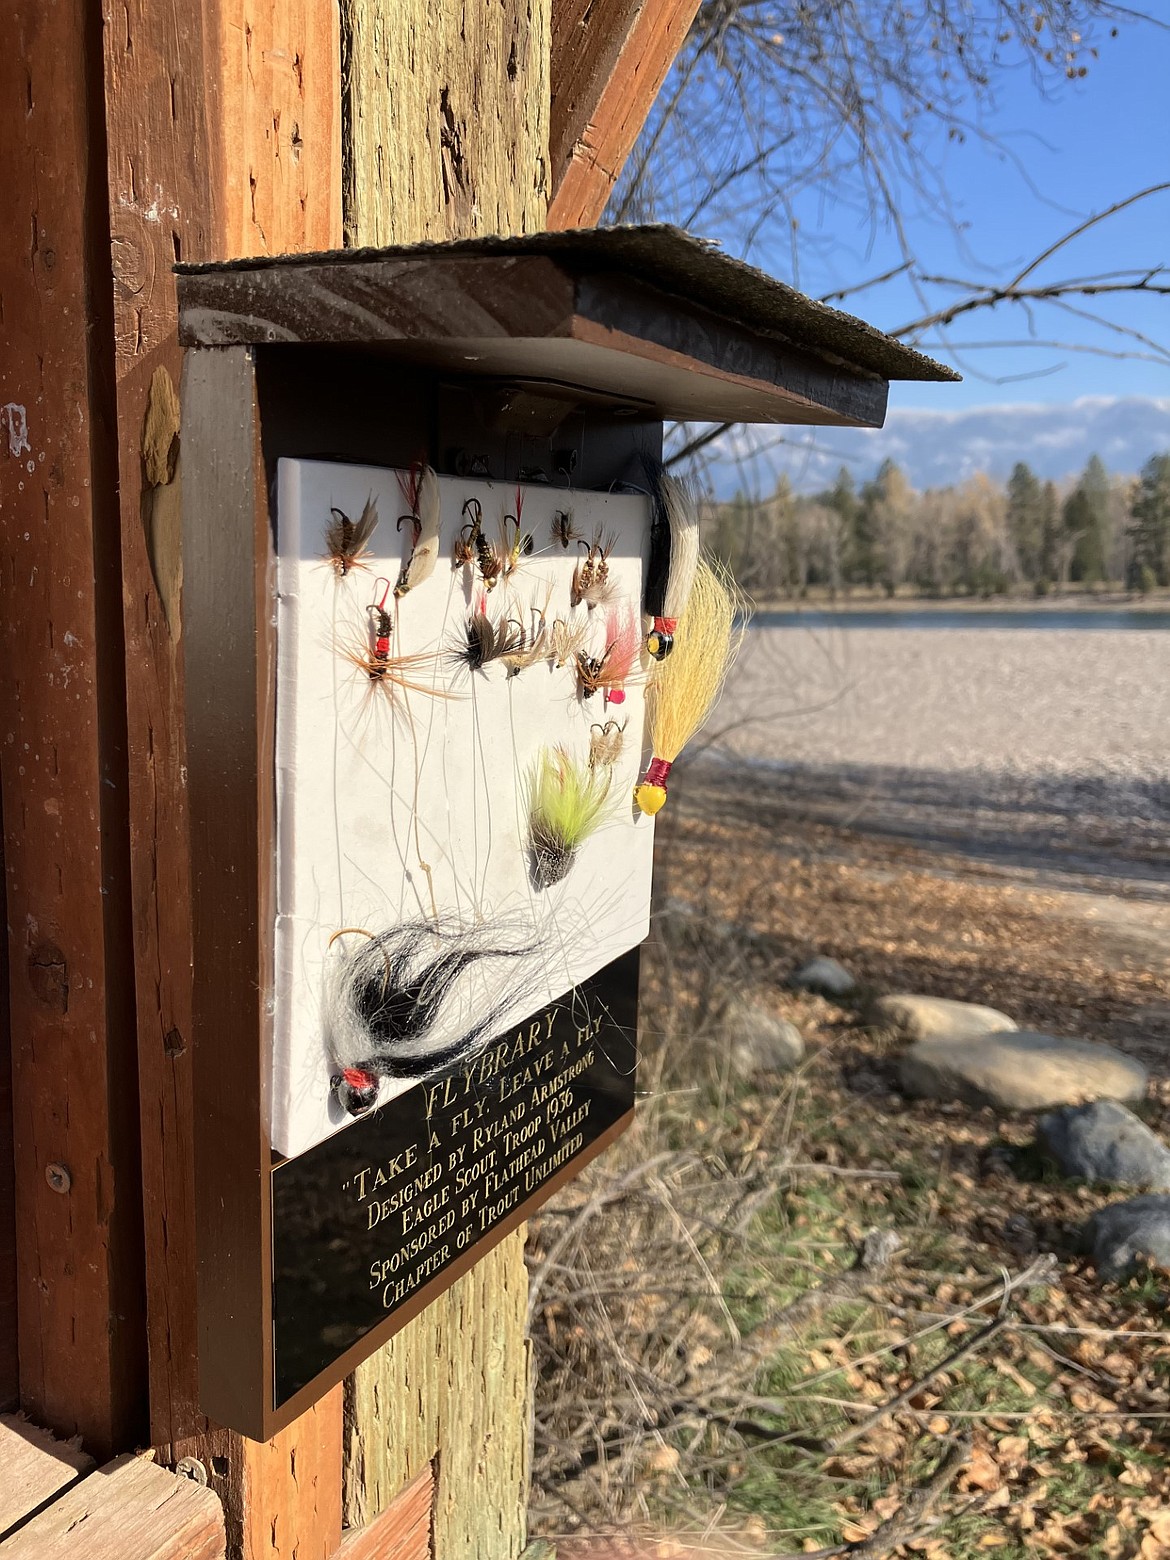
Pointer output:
982, 1471
1014, 1448
663, 1459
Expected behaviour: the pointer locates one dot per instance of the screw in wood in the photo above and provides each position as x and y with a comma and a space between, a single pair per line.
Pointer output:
58, 1177
191, 1468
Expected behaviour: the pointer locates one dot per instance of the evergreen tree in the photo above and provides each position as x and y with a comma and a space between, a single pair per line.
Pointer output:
1150, 526
882, 530
1025, 519
842, 500
1050, 565
1086, 523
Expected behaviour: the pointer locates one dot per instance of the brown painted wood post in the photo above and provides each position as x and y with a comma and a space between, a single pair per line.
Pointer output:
609, 61
62, 747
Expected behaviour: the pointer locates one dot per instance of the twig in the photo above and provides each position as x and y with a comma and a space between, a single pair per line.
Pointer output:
855, 1432
873, 1256
908, 1523
610, 1192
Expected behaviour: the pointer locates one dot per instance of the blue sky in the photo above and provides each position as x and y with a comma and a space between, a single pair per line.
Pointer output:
1085, 145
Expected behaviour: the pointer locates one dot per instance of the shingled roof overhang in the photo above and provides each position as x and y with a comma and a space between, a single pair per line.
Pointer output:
649, 320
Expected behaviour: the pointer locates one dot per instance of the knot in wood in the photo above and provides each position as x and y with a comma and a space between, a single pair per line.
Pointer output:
48, 975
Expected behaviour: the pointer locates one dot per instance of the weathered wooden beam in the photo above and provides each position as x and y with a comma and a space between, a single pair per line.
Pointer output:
34, 1467
455, 1382
223, 127
403, 1531
609, 61
446, 136
129, 1510
62, 747
446, 118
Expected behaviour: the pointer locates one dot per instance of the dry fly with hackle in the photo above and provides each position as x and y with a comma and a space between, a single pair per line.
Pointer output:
566, 640
346, 540
486, 639
536, 642
615, 665
473, 547
371, 657
605, 743
591, 582
564, 531
516, 543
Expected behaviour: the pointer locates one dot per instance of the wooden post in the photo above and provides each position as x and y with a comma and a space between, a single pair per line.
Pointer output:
134, 139
446, 119
447, 137
609, 61
62, 748
224, 139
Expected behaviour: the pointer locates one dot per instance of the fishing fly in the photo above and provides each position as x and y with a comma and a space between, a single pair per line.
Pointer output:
346, 540
473, 547
563, 529
371, 656
536, 642
566, 639
567, 802
610, 670
388, 1004
516, 543
487, 639
605, 743
420, 489
591, 582
683, 690
674, 556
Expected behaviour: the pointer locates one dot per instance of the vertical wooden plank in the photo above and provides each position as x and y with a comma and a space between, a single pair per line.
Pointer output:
446, 136
62, 736
9, 1368
224, 139
454, 1386
446, 119
292, 1494
609, 62
279, 73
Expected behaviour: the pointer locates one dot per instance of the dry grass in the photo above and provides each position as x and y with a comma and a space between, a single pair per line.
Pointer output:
714, 1360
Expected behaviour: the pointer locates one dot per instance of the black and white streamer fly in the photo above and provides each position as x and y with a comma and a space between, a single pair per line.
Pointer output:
387, 996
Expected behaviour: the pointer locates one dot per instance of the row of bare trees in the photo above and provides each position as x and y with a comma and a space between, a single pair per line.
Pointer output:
976, 538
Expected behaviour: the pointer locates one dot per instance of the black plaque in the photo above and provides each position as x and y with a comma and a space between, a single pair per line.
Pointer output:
366, 1220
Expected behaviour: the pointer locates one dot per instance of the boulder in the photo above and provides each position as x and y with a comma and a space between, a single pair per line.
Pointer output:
760, 1041
1129, 1235
938, 1018
1103, 1141
1020, 1070
824, 977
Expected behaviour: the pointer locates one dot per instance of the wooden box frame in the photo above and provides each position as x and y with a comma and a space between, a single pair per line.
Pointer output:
243, 409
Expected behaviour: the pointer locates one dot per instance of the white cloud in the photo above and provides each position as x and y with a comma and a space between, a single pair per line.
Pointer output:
940, 447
